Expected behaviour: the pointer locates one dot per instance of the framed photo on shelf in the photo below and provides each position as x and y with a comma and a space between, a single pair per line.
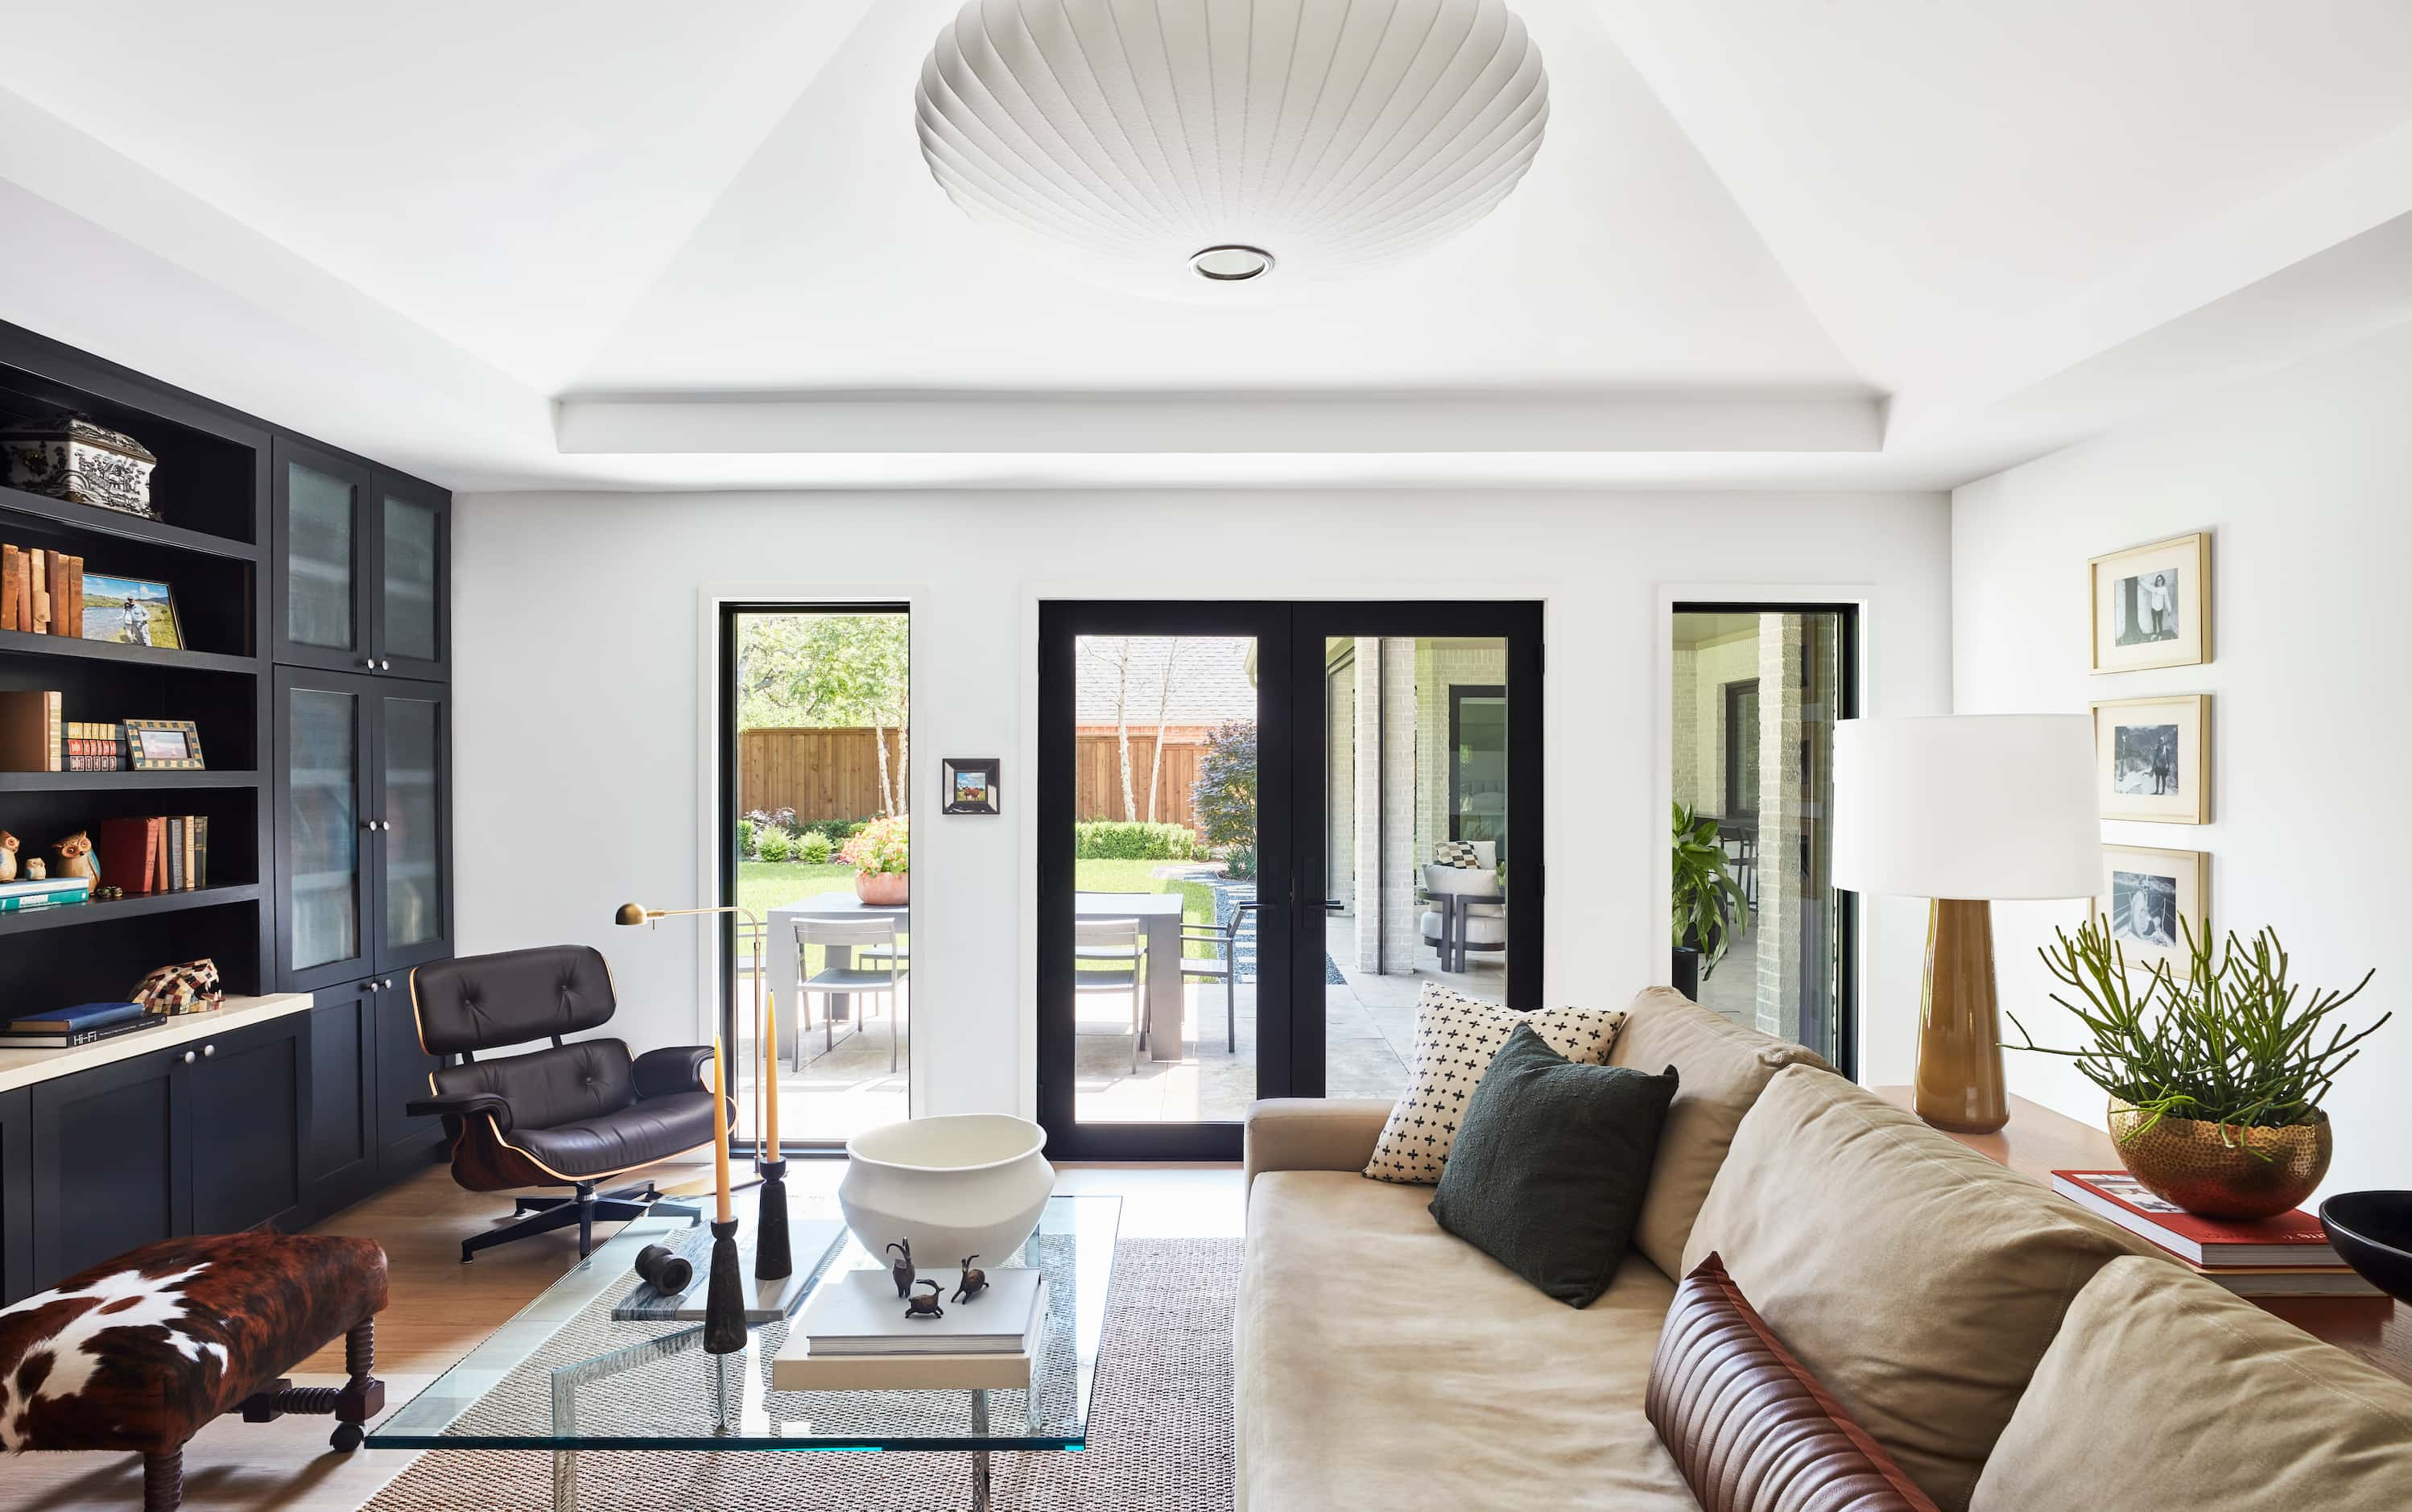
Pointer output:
131, 611
2152, 758
971, 785
163, 745
2145, 892
2152, 605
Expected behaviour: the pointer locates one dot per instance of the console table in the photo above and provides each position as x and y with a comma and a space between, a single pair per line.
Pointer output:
2038, 1141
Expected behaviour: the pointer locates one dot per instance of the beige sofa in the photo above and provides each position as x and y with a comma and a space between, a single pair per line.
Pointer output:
1383, 1363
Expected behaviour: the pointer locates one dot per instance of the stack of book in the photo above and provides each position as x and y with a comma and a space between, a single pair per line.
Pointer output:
95, 745
41, 591
86, 1023
2288, 1255
854, 1334
162, 853
43, 892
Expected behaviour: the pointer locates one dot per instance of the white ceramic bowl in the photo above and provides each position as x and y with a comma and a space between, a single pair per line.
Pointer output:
972, 1184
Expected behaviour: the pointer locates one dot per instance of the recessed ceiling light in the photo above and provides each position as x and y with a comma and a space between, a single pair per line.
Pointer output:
1230, 265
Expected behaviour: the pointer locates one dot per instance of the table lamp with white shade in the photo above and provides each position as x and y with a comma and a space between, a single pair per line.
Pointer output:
1965, 809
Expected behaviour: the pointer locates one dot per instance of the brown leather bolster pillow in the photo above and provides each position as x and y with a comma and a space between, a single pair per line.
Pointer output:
1749, 1427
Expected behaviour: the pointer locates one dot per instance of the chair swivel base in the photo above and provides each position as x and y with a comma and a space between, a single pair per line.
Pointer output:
585, 1209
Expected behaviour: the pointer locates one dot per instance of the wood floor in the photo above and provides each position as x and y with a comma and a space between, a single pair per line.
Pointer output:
441, 1308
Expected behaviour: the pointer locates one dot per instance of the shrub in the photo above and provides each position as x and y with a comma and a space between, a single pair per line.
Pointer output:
882, 847
773, 846
744, 839
814, 847
1225, 794
1240, 863
1109, 840
837, 831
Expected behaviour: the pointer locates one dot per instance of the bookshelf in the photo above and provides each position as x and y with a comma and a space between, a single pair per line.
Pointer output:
212, 492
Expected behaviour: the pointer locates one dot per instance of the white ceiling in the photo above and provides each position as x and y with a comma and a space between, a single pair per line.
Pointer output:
1860, 242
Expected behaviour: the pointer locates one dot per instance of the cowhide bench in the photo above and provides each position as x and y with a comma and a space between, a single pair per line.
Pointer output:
141, 1353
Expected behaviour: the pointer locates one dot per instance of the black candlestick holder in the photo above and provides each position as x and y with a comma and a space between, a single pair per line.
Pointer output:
724, 1296
771, 1261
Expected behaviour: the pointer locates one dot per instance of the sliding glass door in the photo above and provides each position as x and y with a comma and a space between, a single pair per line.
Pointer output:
1264, 827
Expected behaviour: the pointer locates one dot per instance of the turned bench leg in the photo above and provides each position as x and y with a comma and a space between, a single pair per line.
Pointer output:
163, 1480
360, 1397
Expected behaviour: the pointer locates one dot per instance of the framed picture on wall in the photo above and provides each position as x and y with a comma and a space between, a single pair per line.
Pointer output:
2152, 758
2145, 892
2152, 605
971, 785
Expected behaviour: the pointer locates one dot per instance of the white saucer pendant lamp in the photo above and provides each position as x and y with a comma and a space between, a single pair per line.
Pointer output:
1196, 147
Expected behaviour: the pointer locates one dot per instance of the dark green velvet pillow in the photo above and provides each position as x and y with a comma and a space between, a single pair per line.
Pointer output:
1551, 1163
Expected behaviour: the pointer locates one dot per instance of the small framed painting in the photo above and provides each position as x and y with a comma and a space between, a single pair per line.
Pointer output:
132, 611
971, 785
2145, 892
2152, 758
163, 744
2152, 605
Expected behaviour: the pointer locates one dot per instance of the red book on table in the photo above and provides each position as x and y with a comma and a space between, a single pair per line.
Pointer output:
2293, 1238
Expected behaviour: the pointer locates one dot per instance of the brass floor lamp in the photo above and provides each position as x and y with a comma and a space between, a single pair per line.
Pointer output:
640, 914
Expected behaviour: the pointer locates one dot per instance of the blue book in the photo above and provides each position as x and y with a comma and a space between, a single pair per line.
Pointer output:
82, 1016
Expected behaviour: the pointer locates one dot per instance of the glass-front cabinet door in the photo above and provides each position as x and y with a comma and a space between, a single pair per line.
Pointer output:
414, 817
410, 581
325, 891
321, 558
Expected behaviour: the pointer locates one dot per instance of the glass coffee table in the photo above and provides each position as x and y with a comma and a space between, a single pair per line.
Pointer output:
564, 1376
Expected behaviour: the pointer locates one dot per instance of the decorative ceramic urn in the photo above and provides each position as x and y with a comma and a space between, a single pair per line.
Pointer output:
970, 1183
72, 459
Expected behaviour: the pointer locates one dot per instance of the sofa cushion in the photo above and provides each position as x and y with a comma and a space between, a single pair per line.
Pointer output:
1549, 1167
1383, 1363
1723, 1068
1750, 1425
1918, 1280
1456, 1036
2163, 1391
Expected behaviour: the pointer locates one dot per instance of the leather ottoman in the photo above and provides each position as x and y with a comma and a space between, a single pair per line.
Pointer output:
140, 1353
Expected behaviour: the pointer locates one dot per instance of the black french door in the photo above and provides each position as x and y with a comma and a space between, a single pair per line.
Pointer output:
1371, 732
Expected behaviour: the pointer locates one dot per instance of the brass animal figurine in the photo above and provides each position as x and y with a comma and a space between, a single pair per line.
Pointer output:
903, 1270
974, 1282
8, 857
75, 856
925, 1306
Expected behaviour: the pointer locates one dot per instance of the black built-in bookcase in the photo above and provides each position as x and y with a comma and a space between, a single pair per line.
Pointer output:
325, 1137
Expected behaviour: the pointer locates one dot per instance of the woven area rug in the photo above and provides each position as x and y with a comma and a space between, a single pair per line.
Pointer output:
1159, 1432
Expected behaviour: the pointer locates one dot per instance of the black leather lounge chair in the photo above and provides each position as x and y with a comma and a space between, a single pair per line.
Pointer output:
568, 1114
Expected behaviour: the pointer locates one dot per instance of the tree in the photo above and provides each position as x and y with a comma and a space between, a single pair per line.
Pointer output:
1225, 794
1163, 715
807, 670
1113, 653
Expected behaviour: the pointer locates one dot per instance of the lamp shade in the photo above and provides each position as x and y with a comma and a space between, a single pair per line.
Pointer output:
1969, 806
1199, 148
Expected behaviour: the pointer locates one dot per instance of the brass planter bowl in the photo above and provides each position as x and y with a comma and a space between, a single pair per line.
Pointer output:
2223, 1171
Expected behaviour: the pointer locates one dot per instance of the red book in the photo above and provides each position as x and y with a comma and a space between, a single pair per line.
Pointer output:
2293, 1239
129, 852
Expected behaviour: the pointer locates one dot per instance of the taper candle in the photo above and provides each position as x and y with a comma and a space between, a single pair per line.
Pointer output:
720, 1129
770, 1075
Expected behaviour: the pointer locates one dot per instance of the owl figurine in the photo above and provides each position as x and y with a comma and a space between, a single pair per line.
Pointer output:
8, 857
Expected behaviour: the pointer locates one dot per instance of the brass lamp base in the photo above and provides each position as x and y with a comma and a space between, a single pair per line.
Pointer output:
1959, 1036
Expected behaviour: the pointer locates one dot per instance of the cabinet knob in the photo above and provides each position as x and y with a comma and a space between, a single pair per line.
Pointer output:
188, 1057
208, 1050
387, 984
384, 664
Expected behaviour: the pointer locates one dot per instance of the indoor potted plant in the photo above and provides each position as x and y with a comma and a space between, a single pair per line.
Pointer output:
882, 861
1707, 900
2216, 1082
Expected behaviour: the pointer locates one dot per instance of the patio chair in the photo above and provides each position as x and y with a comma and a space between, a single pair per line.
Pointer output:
1469, 912
879, 972
1116, 941
1224, 968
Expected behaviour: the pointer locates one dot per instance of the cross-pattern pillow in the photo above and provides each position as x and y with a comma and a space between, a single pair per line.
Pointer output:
1456, 1037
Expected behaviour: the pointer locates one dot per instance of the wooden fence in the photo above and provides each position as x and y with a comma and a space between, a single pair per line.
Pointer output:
834, 774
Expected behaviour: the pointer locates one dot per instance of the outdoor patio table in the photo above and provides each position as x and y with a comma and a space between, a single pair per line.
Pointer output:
1159, 913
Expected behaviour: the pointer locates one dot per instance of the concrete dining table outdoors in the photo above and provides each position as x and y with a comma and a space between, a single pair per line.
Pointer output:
1159, 914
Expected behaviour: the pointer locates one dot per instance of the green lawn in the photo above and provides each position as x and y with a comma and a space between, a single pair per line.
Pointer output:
763, 885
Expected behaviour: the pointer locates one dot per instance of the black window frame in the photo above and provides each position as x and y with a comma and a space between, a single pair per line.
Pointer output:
1734, 812
1458, 694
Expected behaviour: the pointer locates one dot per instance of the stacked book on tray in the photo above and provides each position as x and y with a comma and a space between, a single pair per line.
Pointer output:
858, 1312
2288, 1255
86, 1023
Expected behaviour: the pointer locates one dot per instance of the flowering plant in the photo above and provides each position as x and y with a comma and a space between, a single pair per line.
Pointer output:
880, 847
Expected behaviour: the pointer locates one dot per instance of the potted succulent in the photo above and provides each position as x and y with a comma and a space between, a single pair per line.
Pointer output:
882, 861
2216, 1082
1707, 900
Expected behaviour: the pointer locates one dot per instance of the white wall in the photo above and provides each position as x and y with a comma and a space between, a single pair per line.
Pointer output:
581, 689
2305, 477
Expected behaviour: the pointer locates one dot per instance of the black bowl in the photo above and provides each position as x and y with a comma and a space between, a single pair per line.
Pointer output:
2372, 1232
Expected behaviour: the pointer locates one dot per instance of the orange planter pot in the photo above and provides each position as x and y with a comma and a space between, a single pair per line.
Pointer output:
883, 889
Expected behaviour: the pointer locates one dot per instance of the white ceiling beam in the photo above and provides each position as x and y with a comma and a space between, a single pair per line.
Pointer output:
1259, 422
